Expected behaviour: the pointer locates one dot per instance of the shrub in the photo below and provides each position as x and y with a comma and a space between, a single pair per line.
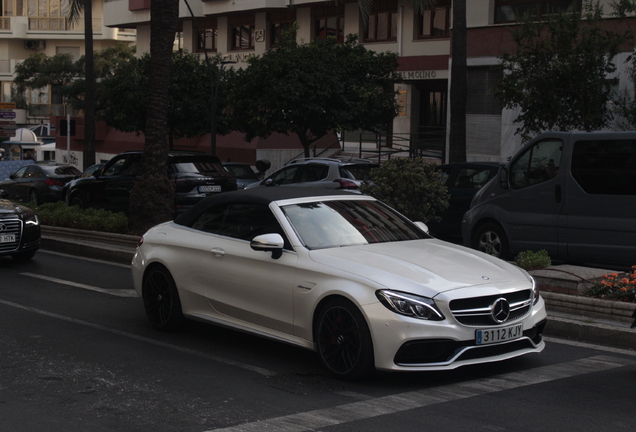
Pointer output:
616, 287
531, 260
411, 186
61, 215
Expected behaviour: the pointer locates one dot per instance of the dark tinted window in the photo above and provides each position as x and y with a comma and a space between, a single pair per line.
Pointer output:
605, 167
196, 164
241, 221
313, 172
285, 175
61, 170
242, 172
472, 178
356, 172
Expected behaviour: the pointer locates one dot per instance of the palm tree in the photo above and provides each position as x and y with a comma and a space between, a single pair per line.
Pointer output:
458, 91
152, 197
89, 76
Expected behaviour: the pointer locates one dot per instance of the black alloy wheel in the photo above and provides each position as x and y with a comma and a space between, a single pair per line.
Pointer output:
491, 239
161, 300
344, 341
76, 200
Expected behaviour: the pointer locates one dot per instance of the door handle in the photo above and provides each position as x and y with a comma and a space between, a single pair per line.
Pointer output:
557, 193
218, 252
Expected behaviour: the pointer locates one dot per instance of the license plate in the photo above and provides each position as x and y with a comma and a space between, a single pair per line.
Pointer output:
7, 238
489, 336
205, 189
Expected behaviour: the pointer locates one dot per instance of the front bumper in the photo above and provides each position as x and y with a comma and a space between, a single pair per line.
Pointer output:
408, 344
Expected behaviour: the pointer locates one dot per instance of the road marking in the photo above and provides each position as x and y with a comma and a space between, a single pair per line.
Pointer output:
223, 360
361, 410
590, 346
114, 292
85, 258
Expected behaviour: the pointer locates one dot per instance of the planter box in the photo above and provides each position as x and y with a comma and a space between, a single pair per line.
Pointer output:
589, 307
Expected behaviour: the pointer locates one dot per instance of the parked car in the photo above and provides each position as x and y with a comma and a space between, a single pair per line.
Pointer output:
339, 273
39, 183
463, 180
19, 230
195, 176
243, 173
320, 172
572, 194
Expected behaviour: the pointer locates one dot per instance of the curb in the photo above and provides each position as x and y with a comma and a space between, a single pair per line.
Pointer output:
570, 316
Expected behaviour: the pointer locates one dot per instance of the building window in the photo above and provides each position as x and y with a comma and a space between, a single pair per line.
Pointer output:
280, 22
481, 98
329, 20
243, 37
382, 24
434, 23
515, 10
207, 40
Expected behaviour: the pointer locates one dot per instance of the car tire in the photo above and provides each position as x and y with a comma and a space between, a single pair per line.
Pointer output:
491, 239
23, 256
343, 341
77, 201
33, 196
161, 300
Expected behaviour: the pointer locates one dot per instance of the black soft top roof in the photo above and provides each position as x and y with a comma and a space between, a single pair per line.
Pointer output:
260, 195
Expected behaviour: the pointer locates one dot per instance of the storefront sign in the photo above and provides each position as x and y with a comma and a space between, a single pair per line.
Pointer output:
418, 75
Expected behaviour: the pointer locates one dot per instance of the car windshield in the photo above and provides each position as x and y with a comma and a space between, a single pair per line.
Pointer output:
330, 224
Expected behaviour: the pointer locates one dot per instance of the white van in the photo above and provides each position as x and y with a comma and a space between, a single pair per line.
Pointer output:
572, 194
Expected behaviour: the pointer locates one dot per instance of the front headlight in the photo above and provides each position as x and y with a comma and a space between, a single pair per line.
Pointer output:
410, 305
32, 219
535, 291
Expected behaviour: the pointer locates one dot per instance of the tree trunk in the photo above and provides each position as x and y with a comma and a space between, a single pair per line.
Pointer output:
152, 197
89, 101
458, 89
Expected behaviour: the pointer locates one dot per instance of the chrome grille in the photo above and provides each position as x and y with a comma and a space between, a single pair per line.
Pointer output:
8, 227
477, 311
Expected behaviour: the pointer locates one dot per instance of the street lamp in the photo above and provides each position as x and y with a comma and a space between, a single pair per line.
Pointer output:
215, 93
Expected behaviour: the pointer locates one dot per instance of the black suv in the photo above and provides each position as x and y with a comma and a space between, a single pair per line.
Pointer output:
195, 176
19, 230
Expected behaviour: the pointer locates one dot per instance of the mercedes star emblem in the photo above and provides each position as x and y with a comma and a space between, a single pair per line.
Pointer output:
500, 310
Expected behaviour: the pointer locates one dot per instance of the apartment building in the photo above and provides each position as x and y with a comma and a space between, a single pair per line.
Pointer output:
237, 29
40, 26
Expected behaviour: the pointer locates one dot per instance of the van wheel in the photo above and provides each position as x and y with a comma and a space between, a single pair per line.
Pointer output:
490, 238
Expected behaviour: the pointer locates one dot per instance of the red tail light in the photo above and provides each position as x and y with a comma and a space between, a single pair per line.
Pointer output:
346, 184
52, 182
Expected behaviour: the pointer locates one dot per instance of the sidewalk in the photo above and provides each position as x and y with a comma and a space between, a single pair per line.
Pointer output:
570, 314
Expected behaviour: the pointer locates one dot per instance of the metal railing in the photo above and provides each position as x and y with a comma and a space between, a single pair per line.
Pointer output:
428, 141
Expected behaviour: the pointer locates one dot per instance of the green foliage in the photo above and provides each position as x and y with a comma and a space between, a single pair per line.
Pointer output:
616, 287
124, 95
531, 260
558, 75
411, 186
67, 75
312, 88
61, 215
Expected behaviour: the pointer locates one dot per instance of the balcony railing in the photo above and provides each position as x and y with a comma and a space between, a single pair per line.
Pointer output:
5, 23
61, 24
46, 110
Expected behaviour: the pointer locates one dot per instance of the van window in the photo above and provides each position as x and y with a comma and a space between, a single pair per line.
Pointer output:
537, 164
606, 167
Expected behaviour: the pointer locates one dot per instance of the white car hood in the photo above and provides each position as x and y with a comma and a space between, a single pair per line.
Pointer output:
425, 267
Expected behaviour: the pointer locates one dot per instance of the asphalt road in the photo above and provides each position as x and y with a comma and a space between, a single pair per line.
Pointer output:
77, 354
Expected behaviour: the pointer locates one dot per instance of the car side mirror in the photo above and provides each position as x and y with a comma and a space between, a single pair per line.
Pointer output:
423, 227
269, 243
503, 178
269, 182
